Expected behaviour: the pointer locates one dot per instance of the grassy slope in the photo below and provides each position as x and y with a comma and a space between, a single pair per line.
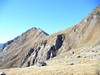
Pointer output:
82, 69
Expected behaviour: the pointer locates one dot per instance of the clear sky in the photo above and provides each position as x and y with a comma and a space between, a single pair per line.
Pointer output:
17, 16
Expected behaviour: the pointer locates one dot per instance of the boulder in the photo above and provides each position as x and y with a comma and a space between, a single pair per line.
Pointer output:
40, 64
71, 63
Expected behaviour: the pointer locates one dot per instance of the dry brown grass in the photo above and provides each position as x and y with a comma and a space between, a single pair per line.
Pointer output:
82, 69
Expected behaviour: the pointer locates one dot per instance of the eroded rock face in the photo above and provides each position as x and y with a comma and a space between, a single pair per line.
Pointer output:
27, 56
43, 52
37, 46
53, 49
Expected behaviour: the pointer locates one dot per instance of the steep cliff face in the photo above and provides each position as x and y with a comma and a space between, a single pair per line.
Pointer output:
37, 46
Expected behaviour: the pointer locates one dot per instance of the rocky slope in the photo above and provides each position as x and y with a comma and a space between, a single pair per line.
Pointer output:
76, 45
15, 52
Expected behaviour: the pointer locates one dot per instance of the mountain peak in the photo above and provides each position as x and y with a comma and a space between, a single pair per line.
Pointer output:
36, 29
35, 46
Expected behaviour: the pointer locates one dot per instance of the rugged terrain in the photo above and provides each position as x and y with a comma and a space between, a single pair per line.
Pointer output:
74, 51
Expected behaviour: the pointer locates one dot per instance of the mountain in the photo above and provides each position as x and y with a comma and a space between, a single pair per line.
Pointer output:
75, 47
1, 44
15, 51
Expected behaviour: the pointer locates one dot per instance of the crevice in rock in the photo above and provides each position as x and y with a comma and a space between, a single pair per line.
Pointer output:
36, 54
28, 63
31, 52
27, 56
53, 49
59, 41
44, 43
51, 52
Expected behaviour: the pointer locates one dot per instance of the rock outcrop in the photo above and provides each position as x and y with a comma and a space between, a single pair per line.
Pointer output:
36, 46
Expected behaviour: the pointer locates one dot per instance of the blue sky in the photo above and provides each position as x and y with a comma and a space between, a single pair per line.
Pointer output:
17, 16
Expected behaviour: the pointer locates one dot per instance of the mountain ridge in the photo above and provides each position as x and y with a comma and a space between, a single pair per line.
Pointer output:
35, 45
29, 30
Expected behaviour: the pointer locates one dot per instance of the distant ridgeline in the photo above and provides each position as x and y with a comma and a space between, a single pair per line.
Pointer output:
1, 44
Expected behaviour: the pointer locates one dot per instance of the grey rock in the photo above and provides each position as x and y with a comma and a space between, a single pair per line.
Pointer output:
40, 64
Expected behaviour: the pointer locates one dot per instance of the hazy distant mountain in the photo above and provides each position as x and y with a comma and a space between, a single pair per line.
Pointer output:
1, 44
78, 45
